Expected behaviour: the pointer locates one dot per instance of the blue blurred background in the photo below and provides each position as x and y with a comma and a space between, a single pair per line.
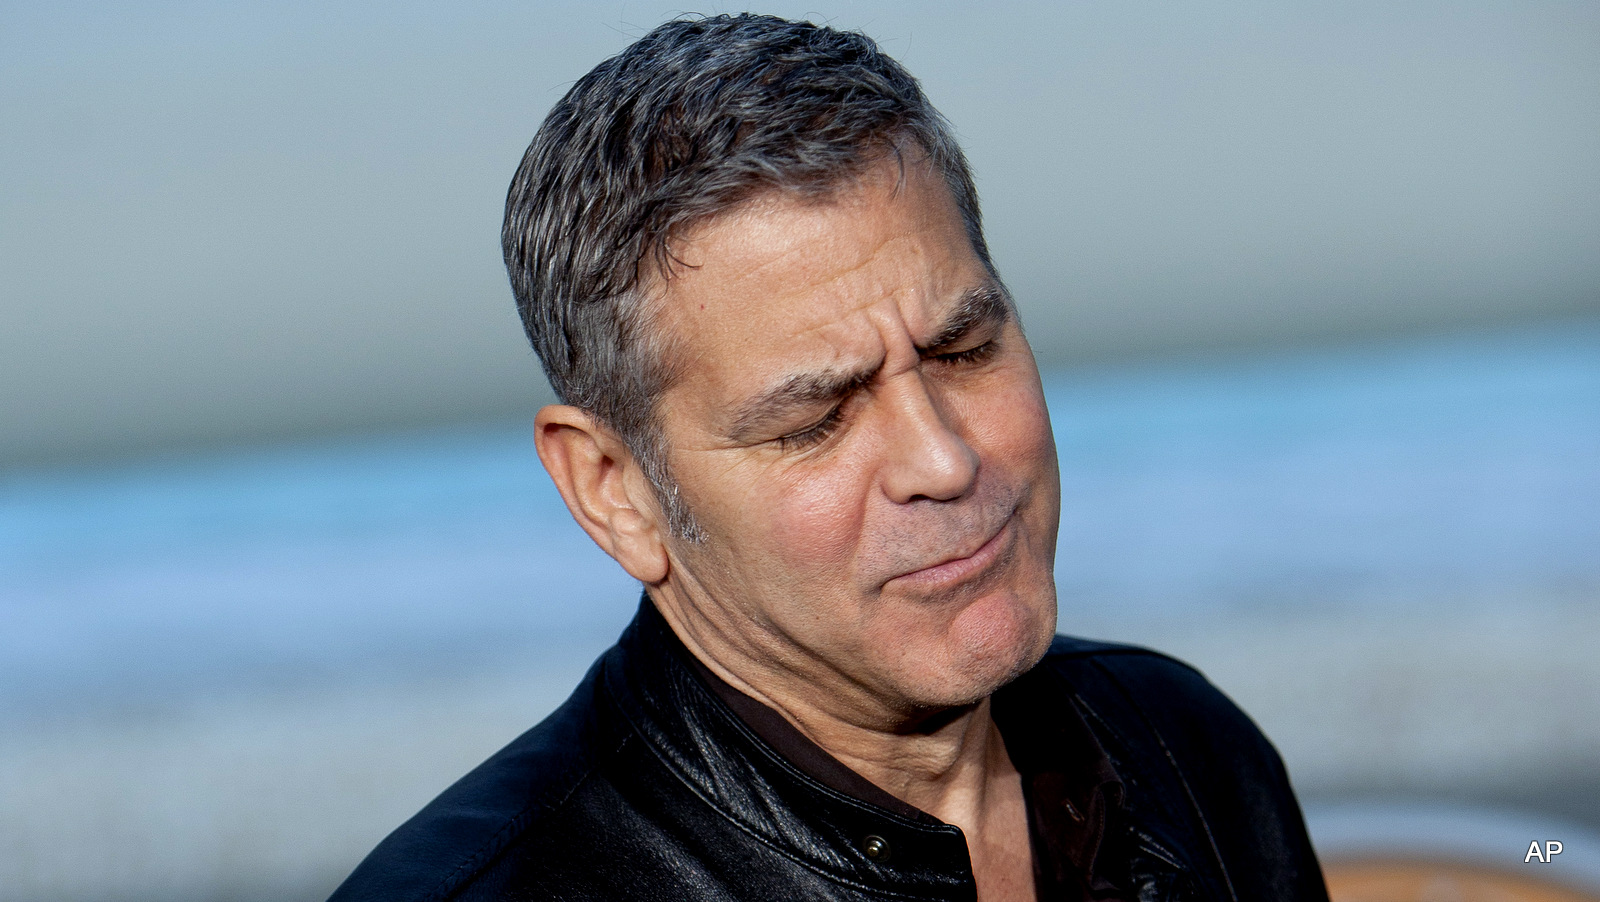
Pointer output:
1317, 291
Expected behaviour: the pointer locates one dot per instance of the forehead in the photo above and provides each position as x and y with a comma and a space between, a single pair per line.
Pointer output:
785, 283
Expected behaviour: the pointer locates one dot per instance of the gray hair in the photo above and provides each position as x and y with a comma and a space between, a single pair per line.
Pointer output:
695, 118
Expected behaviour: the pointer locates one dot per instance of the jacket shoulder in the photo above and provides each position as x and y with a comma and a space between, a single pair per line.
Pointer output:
1150, 692
1212, 758
456, 836
1151, 679
1169, 694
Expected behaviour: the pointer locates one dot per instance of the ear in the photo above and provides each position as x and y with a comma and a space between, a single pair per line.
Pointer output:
604, 489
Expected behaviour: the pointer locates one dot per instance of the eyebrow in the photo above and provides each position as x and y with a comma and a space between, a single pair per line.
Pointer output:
979, 307
988, 305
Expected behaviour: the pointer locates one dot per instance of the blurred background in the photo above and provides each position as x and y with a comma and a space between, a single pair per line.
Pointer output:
1316, 289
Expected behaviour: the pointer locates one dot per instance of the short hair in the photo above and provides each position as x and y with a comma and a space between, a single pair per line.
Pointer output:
692, 120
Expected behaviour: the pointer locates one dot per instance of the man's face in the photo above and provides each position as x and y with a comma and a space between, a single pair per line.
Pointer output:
858, 427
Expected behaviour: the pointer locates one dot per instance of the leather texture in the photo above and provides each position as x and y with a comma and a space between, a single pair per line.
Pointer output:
645, 786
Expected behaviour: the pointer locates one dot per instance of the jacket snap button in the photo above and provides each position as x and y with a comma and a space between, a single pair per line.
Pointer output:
876, 847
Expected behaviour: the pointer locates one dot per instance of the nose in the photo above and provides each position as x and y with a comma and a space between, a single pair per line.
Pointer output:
926, 458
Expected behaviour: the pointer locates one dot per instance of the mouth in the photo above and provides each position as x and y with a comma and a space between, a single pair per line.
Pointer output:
954, 571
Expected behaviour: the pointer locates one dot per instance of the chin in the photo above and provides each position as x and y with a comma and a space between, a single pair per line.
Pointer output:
990, 645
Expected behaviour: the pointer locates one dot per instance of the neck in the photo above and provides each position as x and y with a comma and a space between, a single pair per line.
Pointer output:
945, 763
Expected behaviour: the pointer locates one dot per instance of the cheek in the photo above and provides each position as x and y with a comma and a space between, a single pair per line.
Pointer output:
1010, 424
815, 517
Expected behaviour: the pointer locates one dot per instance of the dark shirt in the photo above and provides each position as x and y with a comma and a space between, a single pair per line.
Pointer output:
1068, 784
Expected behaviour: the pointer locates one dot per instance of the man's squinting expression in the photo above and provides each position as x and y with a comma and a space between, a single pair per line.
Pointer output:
858, 427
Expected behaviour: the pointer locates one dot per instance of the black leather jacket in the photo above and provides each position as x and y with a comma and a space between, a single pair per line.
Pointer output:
644, 785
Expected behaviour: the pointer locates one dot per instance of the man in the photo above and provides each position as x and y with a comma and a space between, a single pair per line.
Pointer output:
800, 409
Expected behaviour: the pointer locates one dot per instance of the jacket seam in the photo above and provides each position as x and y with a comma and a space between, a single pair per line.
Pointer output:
1183, 780
1125, 746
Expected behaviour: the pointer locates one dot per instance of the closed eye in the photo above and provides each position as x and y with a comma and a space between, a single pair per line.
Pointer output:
815, 434
821, 430
976, 354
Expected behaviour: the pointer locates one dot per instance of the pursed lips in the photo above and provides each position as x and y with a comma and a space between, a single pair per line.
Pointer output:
957, 568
